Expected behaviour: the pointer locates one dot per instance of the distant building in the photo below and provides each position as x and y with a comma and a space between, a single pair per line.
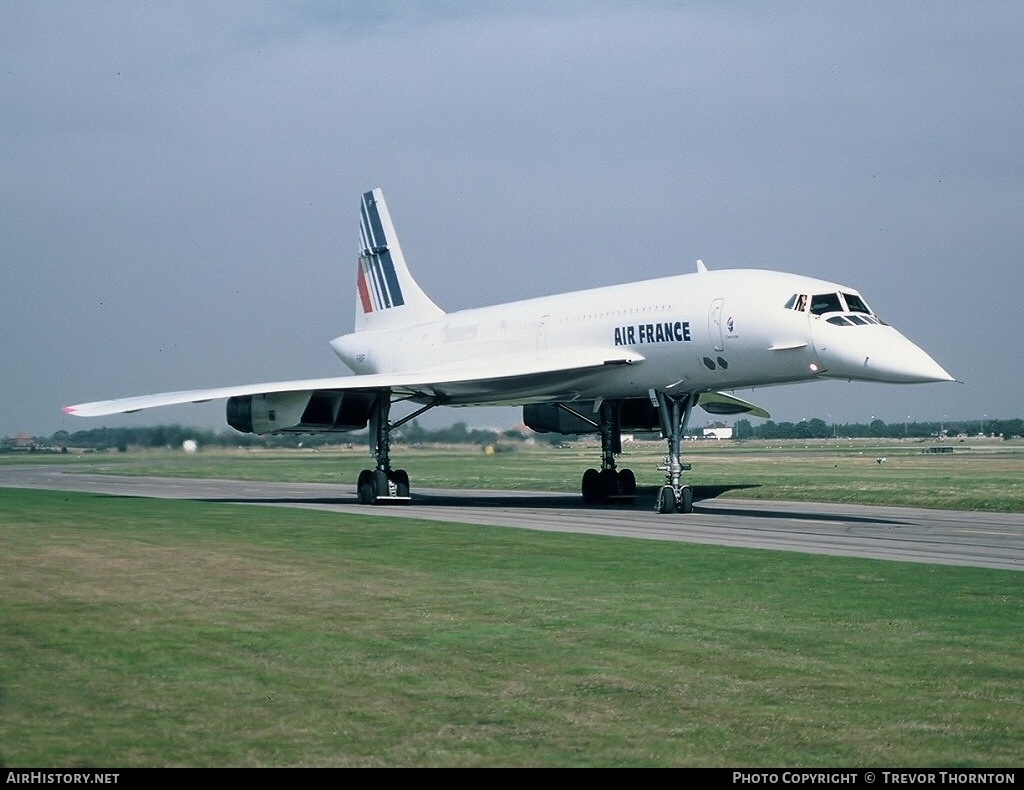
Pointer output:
718, 432
20, 441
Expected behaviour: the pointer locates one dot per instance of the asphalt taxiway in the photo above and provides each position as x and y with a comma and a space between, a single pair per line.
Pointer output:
987, 540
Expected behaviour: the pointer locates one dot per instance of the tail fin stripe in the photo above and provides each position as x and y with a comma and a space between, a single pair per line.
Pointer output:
364, 232
378, 283
371, 282
374, 238
393, 289
364, 292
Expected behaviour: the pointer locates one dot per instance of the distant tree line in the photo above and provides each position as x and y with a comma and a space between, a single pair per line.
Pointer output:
877, 429
121, 439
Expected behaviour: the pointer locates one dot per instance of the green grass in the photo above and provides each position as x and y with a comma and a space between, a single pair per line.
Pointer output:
140, 632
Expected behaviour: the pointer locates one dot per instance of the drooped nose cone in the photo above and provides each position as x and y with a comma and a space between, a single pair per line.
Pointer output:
876, 353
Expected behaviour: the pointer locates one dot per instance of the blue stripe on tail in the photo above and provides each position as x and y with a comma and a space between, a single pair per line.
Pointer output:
385, 288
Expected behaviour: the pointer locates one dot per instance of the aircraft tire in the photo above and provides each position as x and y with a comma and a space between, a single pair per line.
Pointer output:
591, 487
666, 500
401, 478
685, 503
380, 485
364, 488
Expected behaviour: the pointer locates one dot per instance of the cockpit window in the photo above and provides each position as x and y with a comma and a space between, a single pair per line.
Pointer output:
855, 311
797, 302
826, 303
855, 304
820, 304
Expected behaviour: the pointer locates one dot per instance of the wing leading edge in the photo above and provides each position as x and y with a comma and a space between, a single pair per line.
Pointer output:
507, 380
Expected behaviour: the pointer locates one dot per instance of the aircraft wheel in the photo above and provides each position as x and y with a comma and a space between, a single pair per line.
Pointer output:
364, 488
591, 486
685, 503
380, 485
401, 478
627, 482
666, 500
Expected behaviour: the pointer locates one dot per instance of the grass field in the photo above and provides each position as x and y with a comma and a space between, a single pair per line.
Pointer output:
149, 633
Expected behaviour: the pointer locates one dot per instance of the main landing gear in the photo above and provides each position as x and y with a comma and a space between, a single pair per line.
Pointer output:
609, 484
384, 485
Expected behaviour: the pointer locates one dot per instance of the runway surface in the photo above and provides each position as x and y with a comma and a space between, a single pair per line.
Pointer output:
986, 540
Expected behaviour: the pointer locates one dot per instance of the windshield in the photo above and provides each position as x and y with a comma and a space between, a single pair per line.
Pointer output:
826, 303
856, 309
855, 304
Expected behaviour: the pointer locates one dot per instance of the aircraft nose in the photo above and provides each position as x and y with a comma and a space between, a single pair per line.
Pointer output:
905, 362
880, 354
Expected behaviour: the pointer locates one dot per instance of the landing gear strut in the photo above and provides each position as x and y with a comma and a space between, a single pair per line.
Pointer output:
608, 484
674, 411
384, 485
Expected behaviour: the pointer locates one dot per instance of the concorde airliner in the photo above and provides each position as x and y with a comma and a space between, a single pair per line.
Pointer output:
634, 357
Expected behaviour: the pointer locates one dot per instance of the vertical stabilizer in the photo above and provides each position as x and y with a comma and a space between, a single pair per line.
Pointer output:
387, 297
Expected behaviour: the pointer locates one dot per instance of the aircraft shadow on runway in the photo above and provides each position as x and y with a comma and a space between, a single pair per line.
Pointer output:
645, 497
644, 501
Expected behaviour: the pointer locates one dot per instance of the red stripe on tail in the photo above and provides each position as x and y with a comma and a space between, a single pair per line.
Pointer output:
364, 292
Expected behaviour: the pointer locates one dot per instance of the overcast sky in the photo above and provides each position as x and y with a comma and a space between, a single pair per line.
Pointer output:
179, 182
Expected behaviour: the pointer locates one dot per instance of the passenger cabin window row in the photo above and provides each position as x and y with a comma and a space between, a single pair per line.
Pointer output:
858, 313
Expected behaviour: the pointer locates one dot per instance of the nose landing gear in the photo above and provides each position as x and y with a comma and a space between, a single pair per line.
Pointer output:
674, 411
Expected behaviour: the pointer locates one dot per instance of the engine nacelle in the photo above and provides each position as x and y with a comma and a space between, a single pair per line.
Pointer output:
318, 411
549, 418
634, 414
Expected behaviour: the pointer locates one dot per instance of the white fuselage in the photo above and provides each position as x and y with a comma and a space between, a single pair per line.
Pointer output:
707, 331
